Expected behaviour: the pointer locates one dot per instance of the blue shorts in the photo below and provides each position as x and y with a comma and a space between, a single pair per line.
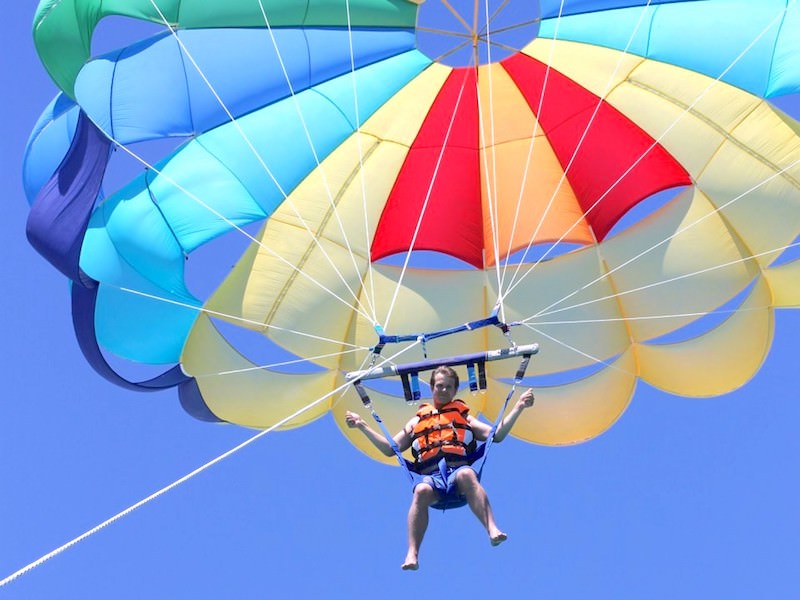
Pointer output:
443, 480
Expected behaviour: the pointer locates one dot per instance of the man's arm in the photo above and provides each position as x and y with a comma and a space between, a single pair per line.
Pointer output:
481, 430
402, 438
525, 401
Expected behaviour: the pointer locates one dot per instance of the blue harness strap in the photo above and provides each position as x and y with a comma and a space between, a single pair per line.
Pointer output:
451, 499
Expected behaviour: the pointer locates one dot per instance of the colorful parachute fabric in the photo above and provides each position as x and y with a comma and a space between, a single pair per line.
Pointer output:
327, 139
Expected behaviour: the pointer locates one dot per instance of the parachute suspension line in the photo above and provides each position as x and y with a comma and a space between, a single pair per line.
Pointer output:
529, 160
233, 225
356, 110
594, 359
490, 181
255, 152
168, 488
435, 174
686, 110
323, 175
284, 363
214, 313
370, 277
547, 312
661, 317
572, 158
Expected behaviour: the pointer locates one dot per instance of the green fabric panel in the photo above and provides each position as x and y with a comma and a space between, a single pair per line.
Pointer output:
62, 29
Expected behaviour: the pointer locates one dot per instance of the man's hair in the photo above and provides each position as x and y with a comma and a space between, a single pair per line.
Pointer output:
445, 370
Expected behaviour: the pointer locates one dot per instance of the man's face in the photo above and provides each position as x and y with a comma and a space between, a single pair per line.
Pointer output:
444, 389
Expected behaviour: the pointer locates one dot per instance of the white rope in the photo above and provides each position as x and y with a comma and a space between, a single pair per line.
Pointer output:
594, 359
162, 491
285, 363
371, 300
183, 479
660, 317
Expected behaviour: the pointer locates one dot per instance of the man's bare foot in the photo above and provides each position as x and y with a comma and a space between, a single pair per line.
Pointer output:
410, 565
498, 538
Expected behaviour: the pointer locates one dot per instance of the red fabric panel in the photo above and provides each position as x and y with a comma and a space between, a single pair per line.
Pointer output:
452, 222
611, 146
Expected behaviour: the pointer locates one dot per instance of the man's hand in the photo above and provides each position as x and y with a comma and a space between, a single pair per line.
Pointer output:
526, 400
353, 420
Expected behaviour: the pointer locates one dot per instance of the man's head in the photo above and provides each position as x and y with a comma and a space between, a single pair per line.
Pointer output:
444, 385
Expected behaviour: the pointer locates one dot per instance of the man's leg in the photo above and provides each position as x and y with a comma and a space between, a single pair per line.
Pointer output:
478, 500
424, 496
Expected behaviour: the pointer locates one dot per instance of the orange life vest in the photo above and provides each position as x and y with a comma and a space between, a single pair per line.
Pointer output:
442, 431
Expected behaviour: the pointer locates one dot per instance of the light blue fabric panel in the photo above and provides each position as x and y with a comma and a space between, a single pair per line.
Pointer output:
128, 234
121, 317
201, 197
551, 8
138, 93
375, 84
113, 252
785, 73
139, 237
270, 151
48, 144
733, 40
152, 89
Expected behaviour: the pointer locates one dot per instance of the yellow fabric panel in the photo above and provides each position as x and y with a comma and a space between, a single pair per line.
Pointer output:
254, 397
401, 117
663, 286
784, 281
428, 300
227, 301
358, 176
350, 185
741, 149
670, 103
718, 361
597, 69
574, 412
276, 283
750, 180
284, 284
577, 326
525, 195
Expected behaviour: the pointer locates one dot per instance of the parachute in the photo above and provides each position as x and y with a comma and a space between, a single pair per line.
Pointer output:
619, 182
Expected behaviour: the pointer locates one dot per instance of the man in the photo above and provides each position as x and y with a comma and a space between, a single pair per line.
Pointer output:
451, 416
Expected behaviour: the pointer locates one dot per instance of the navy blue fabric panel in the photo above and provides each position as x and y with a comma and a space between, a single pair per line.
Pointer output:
192, 402
60, 214
84, 298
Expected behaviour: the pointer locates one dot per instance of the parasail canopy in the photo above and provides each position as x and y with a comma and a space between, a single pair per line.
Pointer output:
614, 175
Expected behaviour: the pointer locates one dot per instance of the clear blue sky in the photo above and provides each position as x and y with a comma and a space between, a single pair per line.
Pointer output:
682, 498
